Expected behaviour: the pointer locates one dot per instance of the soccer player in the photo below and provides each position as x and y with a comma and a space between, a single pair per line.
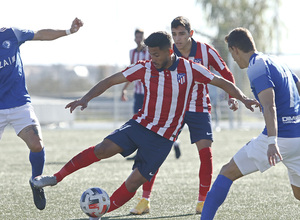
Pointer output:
15, 103
277, 89
139, 53
168, 81
198, 115
136, 54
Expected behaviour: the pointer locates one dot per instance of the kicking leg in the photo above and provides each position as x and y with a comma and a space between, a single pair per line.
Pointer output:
218, 193
104, 150
127, 190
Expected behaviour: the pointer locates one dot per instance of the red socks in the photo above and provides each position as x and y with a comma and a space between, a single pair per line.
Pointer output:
83, 159
120, 197
147, 187
205, 172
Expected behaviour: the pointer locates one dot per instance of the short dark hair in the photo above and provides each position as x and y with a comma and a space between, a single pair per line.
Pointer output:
160, 39
181, 21
241, 38
138, 31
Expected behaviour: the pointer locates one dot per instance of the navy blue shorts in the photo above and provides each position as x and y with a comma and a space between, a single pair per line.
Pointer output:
152, 149
138, 102
199, 124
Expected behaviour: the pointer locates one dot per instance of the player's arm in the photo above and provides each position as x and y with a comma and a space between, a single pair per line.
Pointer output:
97, 90
234, 91
216, 61
267, 100
51, 34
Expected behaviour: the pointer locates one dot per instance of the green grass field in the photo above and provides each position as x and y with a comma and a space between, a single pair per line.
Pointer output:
257, 196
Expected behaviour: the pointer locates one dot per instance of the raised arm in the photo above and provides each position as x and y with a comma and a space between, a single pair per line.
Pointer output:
97, 90
51, 34
234, 91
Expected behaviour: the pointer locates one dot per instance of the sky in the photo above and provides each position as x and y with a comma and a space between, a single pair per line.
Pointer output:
108, 31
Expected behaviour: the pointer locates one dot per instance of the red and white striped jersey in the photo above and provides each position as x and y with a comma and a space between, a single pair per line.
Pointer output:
207, 56
167, 93
135, 56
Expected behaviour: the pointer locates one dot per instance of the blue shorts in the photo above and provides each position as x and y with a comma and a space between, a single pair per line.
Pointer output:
199, 124
152, 149
138, 102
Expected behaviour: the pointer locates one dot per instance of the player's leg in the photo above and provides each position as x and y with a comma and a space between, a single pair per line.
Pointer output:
242, 164
199, 124
27, 127
127, 190
143, 205
220, 189
205, 171
104, 150
296, 191
152, 151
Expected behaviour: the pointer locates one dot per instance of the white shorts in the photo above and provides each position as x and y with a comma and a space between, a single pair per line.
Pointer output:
18, 117
253, 157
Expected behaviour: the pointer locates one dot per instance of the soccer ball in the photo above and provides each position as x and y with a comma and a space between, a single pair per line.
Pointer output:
94, 202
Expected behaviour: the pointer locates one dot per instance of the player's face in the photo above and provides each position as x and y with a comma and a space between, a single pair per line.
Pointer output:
181, 37
160, 58
236, 55
139, 37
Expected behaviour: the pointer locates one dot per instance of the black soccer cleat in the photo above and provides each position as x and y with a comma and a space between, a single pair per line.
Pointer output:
38, 196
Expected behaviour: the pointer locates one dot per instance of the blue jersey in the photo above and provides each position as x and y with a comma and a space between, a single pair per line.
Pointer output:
13, 91
268, 72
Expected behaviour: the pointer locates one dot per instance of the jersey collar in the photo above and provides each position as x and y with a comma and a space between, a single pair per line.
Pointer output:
193, 49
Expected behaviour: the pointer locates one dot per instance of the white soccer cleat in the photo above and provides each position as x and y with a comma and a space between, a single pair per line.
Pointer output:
42, 181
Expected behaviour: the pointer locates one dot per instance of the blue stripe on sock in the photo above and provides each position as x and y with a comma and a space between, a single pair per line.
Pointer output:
37, 160
215, 197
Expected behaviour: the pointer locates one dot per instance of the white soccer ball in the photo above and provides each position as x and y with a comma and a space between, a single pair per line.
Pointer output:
94, 202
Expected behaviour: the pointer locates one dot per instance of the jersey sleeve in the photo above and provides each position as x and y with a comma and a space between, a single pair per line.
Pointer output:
259, 76
135, 71
216, 61
201, 73
23, 35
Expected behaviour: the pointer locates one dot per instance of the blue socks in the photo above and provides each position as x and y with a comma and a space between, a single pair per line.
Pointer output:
215, 197
37, 160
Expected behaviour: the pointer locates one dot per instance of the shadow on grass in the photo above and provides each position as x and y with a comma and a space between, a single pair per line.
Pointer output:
138, 217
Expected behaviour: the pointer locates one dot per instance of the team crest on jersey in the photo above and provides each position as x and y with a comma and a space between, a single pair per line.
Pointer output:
181, 78
6, 44
197, 60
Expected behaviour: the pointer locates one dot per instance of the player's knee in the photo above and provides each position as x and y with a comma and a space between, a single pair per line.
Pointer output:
35, 146
231, 171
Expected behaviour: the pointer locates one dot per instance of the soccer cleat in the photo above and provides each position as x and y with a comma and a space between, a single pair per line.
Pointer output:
38, 196
42, 181
142, 207
177, 149
199, 207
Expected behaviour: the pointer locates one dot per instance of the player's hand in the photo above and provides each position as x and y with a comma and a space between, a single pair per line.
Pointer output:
233, 104
124, 96
76, 25
249, 102
273, 154
74, 104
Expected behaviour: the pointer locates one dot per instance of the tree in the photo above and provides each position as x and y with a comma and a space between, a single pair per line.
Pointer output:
259, 16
